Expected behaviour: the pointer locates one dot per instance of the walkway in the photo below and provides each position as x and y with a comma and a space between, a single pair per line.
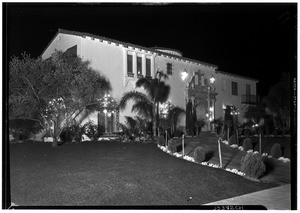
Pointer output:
278, 198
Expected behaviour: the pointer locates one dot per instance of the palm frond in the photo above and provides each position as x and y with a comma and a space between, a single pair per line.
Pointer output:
146, 83
132, 95
144, 109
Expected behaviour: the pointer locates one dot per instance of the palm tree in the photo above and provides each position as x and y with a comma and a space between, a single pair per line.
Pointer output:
147, 105
173, 116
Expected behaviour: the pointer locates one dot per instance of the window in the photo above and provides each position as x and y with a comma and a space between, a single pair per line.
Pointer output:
169, 68
234, 88
129, 64
139, 65
148, 67
248, 89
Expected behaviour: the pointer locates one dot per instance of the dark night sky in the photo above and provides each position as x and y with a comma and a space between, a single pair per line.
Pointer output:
255, 40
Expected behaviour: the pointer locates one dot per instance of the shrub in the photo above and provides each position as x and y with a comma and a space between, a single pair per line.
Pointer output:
199, 154
23, 129
247, 132
161, 141
172, 145
91, 130
276, 150
232, 140
69, 133
252, 165
247, 144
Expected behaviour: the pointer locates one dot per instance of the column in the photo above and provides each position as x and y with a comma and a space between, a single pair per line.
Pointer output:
125, 62
134, 64
144, 65
152, 67
114, 114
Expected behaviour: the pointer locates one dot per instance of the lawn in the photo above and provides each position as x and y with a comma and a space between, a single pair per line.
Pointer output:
114, 173
276, 171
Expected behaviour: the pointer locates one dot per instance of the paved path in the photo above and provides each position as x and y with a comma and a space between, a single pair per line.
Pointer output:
278, 198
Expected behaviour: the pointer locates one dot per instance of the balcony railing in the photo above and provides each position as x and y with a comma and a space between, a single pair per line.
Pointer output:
129, 74
249, 99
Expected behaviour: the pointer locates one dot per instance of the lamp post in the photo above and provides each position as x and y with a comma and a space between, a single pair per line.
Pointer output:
210, 104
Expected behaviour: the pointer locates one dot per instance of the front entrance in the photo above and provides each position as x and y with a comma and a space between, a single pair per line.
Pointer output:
203, 96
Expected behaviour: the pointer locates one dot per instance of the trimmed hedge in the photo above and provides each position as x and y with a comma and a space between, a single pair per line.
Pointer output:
276, 150
252, 165
247, 144
199, 154
232, 140
172, 145
161, 141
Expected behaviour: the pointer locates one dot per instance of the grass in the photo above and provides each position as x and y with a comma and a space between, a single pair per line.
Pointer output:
276, 171
113, 173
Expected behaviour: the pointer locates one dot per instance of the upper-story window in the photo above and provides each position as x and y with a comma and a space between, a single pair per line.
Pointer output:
234, 88
130, 65
148, 67
139, 65
169, 68
248, 89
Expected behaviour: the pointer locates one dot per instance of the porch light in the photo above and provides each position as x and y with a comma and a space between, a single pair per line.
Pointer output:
212, 79
184, 74
105, 111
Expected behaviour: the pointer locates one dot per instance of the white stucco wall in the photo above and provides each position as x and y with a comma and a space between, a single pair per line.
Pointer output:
62, 42
110, 60
225, 96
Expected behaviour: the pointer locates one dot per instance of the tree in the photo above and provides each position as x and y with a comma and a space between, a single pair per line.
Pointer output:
278, 101
255, 113
53, 91
147, 105
189, 119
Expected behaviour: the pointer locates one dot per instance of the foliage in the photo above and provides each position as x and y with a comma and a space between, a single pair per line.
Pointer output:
172, 145
199, 154
55, 90
199, 124
147, 105
74, 131
190, 126
91, 130
219, 123
23, 129
278, 101
247, 132
247, 144
255, 113
161, 141
232, 140
228, 121
252, 165
135, 128
173, 117
276, 150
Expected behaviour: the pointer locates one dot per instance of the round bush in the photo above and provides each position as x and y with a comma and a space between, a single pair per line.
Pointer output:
247, 144
232, 140
252, 165
161, 141
276, 150
172, 145
199, 154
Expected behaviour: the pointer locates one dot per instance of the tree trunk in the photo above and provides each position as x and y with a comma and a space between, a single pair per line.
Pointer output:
154, 122
157, 119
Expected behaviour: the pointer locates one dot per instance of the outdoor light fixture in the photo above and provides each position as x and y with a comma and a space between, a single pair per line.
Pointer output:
207, 115
105, 111
212, 80
184, 74
211, 109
